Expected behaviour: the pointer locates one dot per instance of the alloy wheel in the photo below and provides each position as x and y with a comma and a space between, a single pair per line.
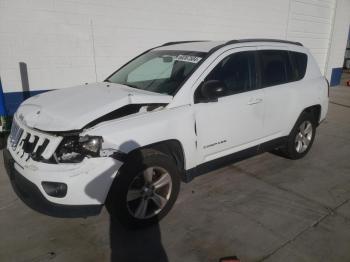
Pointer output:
149, 192
304, 137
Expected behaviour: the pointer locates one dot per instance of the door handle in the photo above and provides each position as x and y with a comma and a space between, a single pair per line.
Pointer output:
255, 101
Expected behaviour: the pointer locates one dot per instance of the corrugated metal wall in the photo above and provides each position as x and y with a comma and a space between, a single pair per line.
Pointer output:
310, 22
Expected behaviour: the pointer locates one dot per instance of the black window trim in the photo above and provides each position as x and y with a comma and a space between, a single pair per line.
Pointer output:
257, 83
293, 63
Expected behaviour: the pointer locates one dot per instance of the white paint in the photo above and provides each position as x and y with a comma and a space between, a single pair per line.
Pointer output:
66, 43
73, 108
245, 112
84, 187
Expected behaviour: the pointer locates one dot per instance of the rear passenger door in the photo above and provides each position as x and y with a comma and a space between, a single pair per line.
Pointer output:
276, 74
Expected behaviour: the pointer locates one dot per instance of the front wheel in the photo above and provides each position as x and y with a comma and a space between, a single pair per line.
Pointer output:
145, 190
301, 138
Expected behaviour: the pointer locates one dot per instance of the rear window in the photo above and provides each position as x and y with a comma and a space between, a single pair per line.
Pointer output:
276, 68
300, 62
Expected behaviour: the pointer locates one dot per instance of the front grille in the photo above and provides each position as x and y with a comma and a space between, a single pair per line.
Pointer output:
28, 143
15, 135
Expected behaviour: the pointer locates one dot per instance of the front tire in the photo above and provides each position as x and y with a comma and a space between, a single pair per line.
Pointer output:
145, 189
301, 138
3, 139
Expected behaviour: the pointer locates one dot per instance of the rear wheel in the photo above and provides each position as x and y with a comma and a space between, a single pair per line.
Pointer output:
301, 138
145, 189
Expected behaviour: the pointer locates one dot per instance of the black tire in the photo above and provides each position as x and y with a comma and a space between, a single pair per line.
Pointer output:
3, 139
134, 166
290, 150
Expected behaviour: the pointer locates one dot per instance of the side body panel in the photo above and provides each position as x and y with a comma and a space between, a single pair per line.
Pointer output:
229, 125
128, 134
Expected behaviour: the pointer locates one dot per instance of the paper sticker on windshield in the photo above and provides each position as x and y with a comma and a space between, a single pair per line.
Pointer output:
188, 58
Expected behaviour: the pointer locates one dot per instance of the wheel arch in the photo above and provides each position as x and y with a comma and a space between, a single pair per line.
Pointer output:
315, 110
171, 147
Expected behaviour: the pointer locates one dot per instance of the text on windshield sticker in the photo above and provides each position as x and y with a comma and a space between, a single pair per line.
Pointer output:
188, 58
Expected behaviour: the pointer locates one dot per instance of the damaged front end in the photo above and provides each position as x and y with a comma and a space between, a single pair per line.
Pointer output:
74, 147
53, 129
124, 111
55, 150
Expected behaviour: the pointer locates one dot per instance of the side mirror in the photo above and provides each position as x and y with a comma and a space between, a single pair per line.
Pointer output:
211, 90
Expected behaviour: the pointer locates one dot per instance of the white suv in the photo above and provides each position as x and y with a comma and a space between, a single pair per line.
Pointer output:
172, 113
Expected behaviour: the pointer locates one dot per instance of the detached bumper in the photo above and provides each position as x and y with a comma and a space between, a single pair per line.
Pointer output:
30, 194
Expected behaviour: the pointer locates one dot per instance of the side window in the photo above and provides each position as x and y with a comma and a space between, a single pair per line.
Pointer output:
276, 68
300, 62
236, 71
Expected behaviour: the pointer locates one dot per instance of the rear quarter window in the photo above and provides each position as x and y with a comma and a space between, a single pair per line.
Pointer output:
276, 67
300, 63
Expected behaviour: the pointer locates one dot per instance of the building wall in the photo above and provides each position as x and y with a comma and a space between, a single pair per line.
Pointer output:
310, 22
65, 43
338, 42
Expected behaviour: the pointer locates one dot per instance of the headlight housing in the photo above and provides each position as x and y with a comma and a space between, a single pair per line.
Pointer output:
91, 145
74, 149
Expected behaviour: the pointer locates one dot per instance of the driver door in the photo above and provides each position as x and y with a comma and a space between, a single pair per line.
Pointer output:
235, 121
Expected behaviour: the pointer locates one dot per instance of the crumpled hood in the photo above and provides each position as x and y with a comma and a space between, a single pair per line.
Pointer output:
73, 108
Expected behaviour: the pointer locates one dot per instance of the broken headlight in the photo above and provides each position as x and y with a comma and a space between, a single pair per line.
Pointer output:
76, 148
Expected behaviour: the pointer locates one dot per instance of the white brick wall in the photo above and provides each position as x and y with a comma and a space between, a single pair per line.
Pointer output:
54, 37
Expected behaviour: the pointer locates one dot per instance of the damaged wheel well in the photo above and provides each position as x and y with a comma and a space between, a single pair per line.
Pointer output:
172, 148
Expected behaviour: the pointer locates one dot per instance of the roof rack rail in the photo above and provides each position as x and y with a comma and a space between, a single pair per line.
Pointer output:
238, 41
262, 40
183, 42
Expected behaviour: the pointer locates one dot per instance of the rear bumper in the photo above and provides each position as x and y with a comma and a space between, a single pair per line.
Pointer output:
30, 194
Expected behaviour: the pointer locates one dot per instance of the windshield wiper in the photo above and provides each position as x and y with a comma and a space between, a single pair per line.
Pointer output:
132, 86
125, 84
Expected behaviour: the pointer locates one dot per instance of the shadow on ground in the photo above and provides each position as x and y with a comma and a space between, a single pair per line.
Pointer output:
136, 245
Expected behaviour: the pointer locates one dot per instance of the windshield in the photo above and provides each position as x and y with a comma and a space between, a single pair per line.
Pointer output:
158, 71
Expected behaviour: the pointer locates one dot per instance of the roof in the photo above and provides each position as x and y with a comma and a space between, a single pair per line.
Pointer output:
199, 46
207, 46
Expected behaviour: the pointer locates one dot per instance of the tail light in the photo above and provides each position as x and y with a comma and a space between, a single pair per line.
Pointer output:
327, 85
